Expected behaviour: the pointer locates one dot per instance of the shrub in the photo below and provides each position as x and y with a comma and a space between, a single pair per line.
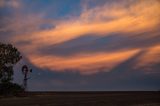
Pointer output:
10, 89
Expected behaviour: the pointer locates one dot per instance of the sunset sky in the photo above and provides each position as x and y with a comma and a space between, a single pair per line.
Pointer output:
85, 44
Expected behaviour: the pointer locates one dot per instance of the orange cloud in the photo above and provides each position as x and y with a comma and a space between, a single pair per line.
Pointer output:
85, 63
101, 21
149, 58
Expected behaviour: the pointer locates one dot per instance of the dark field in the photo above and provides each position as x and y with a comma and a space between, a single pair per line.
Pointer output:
84, 99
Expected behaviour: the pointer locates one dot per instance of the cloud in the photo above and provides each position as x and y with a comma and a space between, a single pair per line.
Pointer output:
10, 3
101, 21
130, 21
86, 63
110, 43
149, 59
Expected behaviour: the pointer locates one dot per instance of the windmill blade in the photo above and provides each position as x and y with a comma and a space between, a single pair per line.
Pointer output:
30, 70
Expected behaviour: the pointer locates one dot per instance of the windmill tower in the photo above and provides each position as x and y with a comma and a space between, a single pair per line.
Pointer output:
25, 72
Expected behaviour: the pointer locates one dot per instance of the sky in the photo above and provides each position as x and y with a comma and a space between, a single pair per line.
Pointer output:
85, 45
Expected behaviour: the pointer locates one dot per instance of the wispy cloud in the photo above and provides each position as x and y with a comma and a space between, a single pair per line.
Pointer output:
129, 20
149, 59
138, 17
85, 63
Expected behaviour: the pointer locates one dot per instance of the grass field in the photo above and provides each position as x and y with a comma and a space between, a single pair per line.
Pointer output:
84, 99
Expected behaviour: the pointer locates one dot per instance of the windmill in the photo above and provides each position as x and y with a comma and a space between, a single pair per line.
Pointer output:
25, 72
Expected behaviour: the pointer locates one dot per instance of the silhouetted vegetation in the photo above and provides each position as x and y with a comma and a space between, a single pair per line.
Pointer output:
9, 56
10, 89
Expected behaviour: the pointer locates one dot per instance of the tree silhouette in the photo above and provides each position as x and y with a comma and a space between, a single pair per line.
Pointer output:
9, 56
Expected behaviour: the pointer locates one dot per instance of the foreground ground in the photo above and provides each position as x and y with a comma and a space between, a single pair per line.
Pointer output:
84, 99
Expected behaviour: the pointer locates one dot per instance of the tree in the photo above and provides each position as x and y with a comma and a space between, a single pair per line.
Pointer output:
9, 56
